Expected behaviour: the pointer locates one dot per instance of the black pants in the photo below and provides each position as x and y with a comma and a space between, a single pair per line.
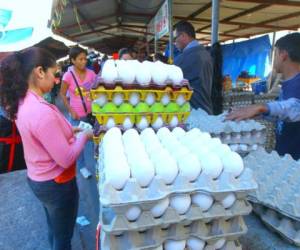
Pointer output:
60, 202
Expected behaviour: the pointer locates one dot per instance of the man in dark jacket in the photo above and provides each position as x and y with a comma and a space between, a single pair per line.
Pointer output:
196, 64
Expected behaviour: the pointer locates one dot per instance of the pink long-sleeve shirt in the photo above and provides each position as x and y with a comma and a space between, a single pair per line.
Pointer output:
48, 139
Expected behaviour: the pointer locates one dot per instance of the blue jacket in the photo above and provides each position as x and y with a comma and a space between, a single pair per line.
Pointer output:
288, 133
197, 67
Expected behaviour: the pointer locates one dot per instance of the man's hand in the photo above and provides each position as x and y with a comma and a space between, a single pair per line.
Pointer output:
246, 113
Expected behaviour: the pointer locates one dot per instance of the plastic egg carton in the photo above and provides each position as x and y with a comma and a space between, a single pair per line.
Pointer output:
288, 228
113, 220
158, 90
132, 193
210, 232
278, 181
136, 117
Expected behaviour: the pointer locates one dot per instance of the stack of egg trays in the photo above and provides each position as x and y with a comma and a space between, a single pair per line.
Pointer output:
285, 226
230, 230
264, 98
246, 135
237, 99
278, 187
114, 203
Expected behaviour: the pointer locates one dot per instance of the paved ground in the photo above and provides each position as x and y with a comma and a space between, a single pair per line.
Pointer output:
23, 225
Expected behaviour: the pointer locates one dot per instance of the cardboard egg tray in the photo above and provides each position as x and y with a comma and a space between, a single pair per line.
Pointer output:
113, 220
132, 193
136, 117
286, 227
230, 229
185, 90
247, 132
278, 181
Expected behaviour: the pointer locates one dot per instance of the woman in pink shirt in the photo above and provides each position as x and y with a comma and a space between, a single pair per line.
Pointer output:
50, 145
78, 74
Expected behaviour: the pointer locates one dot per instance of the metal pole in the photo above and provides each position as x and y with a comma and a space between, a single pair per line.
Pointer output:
155, 44
170, 16
215, 21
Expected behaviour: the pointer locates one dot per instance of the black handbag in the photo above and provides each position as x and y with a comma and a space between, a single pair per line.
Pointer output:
89, 117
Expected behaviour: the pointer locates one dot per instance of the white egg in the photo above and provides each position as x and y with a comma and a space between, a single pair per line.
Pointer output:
165, 167
233, 163
109, 72
159, 209
162, 132
220, 243
229, 200
133, 213
118, 99
234, 147
175, 74
158, 123
254, 147
150, 99
211, 165
110, 123
178, 132
143, 123
143, 77
159, 73
142, 169
127, 124
243, 147
222, 150
126, 73
101, 100
180, 152
147, 133
194, 243
204, 201
165, 99
134, 99
181, 203
117, 173
174, 121
189, 166
174, 245
180, 100
195, 132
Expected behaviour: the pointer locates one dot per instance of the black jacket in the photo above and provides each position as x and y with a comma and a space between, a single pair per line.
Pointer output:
197, 67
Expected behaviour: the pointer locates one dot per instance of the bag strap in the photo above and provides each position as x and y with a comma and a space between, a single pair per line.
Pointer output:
80, 93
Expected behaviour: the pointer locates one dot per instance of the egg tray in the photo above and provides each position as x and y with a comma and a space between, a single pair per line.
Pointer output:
132, 193
229, 245
113, 220
136, 117
278, 181
230, 229
184, 90
286, 227
244, 132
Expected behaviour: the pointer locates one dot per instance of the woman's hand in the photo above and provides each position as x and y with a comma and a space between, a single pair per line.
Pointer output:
76, 130
89, 133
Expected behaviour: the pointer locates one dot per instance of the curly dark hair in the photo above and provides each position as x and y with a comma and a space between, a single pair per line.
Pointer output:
15, 71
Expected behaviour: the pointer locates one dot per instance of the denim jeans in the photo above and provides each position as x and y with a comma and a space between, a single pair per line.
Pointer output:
82, 160
60, 202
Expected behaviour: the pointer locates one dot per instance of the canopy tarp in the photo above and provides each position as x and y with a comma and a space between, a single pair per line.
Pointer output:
24, 23
252, 56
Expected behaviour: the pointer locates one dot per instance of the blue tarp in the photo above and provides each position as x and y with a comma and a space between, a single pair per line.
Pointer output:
252, 56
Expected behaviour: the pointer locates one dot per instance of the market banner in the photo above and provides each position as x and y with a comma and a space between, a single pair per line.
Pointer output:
24, 23
162, 21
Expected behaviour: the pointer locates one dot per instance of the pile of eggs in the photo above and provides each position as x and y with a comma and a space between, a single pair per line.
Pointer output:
132, 71
165, 154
